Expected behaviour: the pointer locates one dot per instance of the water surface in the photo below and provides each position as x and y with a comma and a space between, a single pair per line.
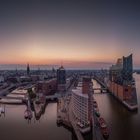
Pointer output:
123, 124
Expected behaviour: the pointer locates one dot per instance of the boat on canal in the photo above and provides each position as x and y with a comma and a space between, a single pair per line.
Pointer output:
103, 128
28, 114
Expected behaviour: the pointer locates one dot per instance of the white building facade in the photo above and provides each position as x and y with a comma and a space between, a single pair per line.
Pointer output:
80, 106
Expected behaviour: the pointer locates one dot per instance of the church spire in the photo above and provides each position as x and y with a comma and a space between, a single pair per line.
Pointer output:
28, 69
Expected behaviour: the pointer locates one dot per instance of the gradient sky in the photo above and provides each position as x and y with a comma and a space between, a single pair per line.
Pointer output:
78, 33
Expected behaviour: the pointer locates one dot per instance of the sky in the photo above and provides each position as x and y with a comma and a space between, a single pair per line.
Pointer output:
76, 33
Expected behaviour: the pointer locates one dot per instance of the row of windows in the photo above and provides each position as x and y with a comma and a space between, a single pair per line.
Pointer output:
80, 104
81, 118
80, 107
84, 105
79, 98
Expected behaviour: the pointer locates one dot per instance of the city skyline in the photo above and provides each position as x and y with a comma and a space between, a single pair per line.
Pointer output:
70, 69
79, 34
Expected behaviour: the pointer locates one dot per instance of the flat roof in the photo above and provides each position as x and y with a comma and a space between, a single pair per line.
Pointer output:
79, 93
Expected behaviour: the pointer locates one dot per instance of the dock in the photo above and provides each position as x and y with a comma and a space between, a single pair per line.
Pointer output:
62, 113
65, 116
38, 108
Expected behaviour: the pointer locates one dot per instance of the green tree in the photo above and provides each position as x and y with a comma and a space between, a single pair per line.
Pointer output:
31, 94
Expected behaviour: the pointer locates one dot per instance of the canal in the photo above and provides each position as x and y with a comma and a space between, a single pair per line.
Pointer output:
13, 125
123, 125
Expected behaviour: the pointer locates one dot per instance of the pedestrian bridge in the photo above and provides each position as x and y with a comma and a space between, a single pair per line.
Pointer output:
102, 90
52, 97
99, 88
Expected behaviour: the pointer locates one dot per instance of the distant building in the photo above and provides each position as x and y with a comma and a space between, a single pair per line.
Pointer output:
11, 79
25, 79
35, 78
53, 72
48, 87
1, 79
122, 72
28, 69
61, 79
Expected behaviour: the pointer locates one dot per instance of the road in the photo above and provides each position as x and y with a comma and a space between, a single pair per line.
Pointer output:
6, 90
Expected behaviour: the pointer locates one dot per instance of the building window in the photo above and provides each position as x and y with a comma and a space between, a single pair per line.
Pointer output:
126, 90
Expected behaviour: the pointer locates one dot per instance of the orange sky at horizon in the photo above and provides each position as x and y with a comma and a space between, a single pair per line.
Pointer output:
79, 34
35, 50
71, 49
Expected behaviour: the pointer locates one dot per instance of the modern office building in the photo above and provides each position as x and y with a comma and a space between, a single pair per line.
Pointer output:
122, 83
61, 79
80, 104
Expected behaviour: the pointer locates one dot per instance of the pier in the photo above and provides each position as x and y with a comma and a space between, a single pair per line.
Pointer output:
13, 98
39, 106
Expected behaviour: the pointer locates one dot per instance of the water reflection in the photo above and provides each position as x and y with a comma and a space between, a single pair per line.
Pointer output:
14, 126
122, 123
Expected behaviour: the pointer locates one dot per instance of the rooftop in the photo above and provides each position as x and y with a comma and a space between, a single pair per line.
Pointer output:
78, 91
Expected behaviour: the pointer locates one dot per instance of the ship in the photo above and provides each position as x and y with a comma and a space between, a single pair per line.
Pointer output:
121, 83
28, 114
103, 128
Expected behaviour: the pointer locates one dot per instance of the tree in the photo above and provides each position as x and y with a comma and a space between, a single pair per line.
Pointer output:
31, 94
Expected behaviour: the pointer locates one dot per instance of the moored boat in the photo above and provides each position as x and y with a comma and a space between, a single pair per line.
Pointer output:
103, 128
105, 133
97, 113
95, 105
2, 110
28, 114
